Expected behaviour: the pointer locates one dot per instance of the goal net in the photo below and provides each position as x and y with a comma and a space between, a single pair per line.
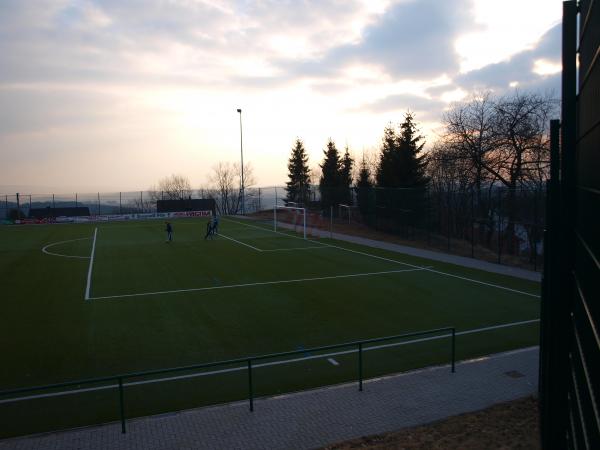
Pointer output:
290, 218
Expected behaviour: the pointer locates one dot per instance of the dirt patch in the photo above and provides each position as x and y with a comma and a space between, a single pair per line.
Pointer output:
511, 425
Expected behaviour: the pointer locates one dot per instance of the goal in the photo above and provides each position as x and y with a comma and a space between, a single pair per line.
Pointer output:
290, 217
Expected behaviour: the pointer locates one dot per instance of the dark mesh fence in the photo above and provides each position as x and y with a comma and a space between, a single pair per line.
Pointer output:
497, 225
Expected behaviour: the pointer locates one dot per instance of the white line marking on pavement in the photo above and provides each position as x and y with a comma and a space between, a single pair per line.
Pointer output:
274, 363
45, 249
89, 277
260, 283
497, 286
239, 242
333, 361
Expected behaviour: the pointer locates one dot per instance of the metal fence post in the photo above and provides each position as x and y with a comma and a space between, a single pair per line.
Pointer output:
453, 348
142, 201
250, 390
98, 203
75, 199
472, 224
360, 367
53, 204
536, 228
331, 222
429, 208
499, 226
448, 209
122, 405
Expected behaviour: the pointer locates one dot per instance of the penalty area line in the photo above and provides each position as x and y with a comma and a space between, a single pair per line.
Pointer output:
89, 276
429, 269
259, 283
240, 242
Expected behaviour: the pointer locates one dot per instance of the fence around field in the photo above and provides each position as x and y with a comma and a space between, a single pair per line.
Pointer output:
247, 365
493, 224
497, 225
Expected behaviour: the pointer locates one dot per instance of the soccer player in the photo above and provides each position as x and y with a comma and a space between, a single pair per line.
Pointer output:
169, 231
216, 224
209, 229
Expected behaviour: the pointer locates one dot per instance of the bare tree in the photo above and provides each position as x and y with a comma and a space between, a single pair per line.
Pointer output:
173, 187
499, 141
226, 187
469, 138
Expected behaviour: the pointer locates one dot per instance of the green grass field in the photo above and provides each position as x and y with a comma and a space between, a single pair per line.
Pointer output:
250, 291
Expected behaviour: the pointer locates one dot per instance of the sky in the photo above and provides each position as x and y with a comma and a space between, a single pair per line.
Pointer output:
113, 95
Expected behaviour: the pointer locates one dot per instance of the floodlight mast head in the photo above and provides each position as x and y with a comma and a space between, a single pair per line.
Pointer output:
239, 110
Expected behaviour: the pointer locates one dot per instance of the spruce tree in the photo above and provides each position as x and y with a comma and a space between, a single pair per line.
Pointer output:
400, 163
329, 182
387, 169
346, 178
298, 186
413, 165
364, 186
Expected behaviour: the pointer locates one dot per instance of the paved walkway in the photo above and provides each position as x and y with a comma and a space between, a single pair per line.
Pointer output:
428, 254
319, 417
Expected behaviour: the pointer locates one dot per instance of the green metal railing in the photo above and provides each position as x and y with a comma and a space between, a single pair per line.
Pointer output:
119, 379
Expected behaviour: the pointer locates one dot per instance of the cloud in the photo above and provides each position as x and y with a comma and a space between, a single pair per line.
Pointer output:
425, 108
413, 39
519, 70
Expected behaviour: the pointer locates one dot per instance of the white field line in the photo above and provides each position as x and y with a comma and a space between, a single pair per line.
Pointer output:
259, 283
44, 249
266, 364
239, 242
89, 277
295, 248
497, 286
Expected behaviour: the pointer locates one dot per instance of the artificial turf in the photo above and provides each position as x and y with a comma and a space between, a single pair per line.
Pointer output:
247, 292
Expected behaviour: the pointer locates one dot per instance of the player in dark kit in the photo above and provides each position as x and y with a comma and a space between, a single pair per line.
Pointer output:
169, 231
209, 230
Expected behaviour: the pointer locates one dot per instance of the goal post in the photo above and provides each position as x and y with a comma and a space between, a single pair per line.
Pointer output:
292, 215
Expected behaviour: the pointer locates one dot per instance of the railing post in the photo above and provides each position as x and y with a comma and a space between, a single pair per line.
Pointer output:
453, 348
122, 405
250, 391
360, 367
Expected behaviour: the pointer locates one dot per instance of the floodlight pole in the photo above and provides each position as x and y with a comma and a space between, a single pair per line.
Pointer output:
242, 160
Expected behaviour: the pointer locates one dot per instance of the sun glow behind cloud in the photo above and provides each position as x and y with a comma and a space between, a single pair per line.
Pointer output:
504, 28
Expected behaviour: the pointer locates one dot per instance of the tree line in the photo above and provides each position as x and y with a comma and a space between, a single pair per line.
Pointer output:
486, 142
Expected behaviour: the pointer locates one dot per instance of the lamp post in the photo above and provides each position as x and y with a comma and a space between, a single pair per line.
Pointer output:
242, 160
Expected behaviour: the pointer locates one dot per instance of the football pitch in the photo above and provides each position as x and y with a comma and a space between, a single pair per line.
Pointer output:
92, 300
